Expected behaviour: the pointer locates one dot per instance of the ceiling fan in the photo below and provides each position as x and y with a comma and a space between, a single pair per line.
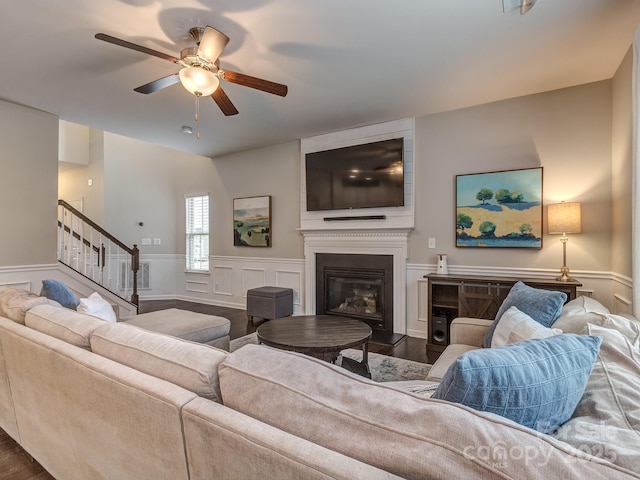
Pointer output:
200, 71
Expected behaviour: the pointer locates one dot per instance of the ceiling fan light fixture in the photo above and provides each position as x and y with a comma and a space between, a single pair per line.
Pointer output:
198, 80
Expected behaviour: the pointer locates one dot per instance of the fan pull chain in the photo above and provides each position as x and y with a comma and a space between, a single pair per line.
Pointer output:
197, 115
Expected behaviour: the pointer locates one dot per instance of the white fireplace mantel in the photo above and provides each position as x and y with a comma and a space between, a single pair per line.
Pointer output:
363, 242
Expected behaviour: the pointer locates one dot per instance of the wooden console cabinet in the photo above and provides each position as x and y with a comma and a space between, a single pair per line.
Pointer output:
452, 296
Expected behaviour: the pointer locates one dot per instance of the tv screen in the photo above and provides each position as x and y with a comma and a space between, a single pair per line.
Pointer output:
360, 176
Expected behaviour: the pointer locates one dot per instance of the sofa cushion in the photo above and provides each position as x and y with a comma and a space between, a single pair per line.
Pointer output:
191, 365
575, 320
537, 383
60, 292
446, 358
225, 444
606, 422
97, 306
516, 326
15, 303
580, 305
185, 324
398, 432
544, 306
67, 325
578, 312
630, 329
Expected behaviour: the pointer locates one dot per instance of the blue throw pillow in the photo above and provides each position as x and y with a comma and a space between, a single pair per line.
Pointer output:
536, 383
58, 291
544, 306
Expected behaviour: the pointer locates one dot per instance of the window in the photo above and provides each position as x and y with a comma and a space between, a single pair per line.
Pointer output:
198, 233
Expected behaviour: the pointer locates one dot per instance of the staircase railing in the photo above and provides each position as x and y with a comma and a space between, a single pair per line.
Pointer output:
90, 250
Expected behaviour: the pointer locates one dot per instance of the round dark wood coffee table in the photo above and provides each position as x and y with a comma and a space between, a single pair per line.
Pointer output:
320, 336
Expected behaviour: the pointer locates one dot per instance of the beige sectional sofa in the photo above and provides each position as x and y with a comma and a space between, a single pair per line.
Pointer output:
92, 399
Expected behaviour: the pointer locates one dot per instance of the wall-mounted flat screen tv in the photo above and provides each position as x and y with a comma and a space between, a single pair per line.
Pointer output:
360, 176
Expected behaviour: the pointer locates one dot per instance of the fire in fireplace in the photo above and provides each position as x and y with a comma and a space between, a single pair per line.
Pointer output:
357, 286
355, 296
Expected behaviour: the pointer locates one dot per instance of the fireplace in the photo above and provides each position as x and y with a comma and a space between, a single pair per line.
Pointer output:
368, 244
356, 286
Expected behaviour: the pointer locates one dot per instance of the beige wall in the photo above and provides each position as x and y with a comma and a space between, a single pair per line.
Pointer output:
580, 135
140, 186
271, 171
73, 180
567, 132
134, 181
621, 169
28, 185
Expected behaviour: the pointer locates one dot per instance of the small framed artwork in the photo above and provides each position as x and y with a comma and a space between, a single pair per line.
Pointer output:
252, 221
499, 209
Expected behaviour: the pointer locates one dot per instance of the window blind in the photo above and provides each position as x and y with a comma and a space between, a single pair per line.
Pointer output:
197, 228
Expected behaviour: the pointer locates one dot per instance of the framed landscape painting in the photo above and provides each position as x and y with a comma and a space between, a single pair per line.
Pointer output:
499, 209
252, 221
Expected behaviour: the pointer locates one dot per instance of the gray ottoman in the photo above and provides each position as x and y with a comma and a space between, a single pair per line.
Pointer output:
193, 326
269, 303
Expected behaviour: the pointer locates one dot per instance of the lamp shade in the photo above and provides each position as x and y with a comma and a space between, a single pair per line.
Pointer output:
198, 80
564, 217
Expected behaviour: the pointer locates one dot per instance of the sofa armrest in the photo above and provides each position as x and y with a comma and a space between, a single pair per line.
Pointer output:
446, 358
469, 331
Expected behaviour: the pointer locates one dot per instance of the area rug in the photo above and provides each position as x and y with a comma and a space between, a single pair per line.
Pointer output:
383, 368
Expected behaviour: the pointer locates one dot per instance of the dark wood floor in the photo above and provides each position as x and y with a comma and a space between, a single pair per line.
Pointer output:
409, 348
15, 464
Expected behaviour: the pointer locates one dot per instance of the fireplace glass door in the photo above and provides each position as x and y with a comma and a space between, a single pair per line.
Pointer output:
356, 285
356, 295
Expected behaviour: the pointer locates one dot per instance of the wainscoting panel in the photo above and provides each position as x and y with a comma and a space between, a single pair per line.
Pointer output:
162, 275
231, 277
612, 290
293, 280
21, 285
27, 277
30, 277
196, 286
223, 280
169, 281
253, 278
417, 300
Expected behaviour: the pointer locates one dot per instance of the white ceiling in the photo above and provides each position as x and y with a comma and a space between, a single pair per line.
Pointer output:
347, 63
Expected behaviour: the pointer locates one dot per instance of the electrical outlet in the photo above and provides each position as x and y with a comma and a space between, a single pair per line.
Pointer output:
157, 241
432, 242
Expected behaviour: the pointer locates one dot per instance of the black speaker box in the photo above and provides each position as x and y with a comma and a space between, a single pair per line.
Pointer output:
439, 330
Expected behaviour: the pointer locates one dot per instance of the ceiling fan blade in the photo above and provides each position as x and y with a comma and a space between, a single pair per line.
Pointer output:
212, 44
158, 84
523, 5
526, 5
139, 48
220, 97
257, 83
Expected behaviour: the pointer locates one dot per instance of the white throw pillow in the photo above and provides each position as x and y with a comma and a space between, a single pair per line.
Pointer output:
98, 307
516, 326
